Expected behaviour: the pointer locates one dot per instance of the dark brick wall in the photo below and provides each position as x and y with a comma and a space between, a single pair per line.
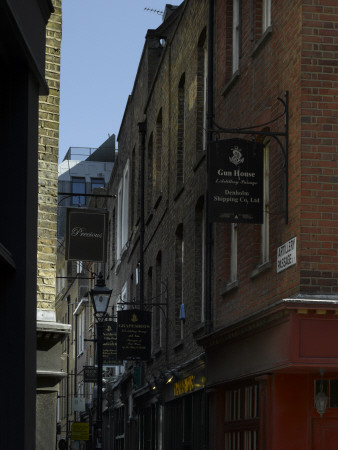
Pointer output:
168, 205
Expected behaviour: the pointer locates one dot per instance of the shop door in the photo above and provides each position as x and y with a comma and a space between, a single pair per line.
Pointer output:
325, 434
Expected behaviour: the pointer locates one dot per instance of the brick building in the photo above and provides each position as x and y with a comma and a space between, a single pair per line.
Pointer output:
155, 257
271, 355
50, 333
23, 81
242, 311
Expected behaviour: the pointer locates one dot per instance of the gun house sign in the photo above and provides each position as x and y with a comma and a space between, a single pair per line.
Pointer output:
86, 234
235, 181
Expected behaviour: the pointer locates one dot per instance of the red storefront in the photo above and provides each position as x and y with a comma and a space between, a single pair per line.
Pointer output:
266, 373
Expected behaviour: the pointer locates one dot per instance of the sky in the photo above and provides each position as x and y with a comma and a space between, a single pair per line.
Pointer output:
102, 42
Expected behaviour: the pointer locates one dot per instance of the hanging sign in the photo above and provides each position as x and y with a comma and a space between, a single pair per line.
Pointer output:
90, 374
109, 346
235, 181
86, 234
78, 404
134, 335
80, 431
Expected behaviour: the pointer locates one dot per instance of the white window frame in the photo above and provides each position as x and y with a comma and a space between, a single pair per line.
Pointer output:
81, 332
123, 212
266, 15
235, 35
233, 253
265, 227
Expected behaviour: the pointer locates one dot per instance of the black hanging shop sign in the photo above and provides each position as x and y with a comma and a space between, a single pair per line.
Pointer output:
90, 374
235, 181
86, 234
109, 346
134, 335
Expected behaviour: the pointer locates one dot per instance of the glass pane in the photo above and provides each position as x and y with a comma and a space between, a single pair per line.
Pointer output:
78, 187
333, 393
97, 183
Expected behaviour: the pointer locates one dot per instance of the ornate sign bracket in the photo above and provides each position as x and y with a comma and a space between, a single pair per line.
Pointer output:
277, 135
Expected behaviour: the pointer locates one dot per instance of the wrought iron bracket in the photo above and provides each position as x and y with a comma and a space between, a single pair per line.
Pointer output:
277, 135
163, 306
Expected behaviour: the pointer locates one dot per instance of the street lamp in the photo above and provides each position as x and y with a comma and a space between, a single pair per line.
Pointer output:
100, 296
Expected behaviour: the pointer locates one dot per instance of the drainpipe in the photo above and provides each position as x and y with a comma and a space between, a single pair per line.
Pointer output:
210, 115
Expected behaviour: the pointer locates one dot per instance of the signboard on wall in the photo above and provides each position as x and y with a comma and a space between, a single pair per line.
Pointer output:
235, 181
86, 234
287, 255
134, 335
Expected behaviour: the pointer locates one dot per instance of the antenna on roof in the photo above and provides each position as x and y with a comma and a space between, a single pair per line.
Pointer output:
157, 11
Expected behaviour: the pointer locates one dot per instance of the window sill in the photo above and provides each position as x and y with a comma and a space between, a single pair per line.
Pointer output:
157, 353
199, 158
199, 331
261, 41
229, 287
178, 346
158, 201
230, 83
150, 216
179, 190
260, 269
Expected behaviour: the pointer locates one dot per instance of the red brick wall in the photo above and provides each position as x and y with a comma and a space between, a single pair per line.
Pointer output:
319, 116
298, 55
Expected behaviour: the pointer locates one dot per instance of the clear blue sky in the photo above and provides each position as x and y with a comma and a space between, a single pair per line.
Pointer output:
102, 42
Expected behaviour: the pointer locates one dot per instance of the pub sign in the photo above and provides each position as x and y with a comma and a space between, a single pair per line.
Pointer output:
134, 335
235, 181
86, 234
109, 346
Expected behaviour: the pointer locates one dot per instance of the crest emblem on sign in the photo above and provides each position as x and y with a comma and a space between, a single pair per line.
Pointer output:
237, 157
134, 318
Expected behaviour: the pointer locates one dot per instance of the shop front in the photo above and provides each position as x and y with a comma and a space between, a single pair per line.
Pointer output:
272, 380
185, 413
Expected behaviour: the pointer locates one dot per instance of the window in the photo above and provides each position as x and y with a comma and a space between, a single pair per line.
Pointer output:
265, 229
113, 237
149, 299
97, 183
232, 38
179, 261
241, 420
180, 132
202, 80
149, 194
158, 156
79, 267
122, 212
235, 36
260, 19
159, 299
200, 261
266, 15
81, 332
123, 298
233, 253
78, 187
133, 188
